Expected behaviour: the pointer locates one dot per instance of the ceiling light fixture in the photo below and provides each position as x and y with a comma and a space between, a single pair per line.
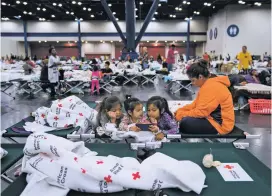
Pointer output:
213, 7
156, 13
188, 3
101, 40
44, 9
180, 9
81, 19
79, 3
109, 5
165, 41
25, 12
159, 5
174, 16
171, 15
67, 12
86, 42
147, 41
40, 19
38, 8
111, 41
39, 41
117, 19
45, 41
184, 2
241, 2
208, 4
73, 2
176, 8
53, 16
54, 4
191, 18
257, 3
76, 19
89, 9
57, 41
205, 3
136, 9
30, 13
18, 2
60, 4
3, 3
84, 8
194, 40
136, 16
153, 18
113, 13
183, 41
92, 16
186, 18
141, 3
75, 41
72, 13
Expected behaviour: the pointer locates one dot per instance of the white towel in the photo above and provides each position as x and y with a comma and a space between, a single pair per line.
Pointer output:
62, 163
35, 127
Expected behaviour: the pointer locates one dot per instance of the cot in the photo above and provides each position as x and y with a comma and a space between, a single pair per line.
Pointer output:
225, 153
120, 150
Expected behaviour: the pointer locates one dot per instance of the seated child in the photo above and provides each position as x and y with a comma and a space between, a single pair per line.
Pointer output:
158, 112
110, 111
134, 109
107, 72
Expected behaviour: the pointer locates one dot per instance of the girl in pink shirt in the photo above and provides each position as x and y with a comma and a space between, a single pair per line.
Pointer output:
95, 80
171, 58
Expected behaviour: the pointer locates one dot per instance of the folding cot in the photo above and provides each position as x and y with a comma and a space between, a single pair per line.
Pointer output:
120, 150
148, 76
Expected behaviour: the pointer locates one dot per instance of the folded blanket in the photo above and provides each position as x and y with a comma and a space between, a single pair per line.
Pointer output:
56, 164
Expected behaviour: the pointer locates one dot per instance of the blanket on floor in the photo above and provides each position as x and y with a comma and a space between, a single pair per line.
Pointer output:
55, 165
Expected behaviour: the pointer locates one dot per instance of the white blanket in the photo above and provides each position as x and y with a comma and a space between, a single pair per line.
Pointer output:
66, 112
55, 165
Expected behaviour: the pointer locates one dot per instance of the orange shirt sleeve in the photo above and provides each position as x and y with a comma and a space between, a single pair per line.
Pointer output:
180, 111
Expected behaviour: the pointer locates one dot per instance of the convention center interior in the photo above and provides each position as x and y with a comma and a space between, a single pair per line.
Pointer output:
135, 97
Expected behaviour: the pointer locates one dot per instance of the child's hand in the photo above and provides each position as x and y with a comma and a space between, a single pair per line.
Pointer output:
135, 129
153, 128
159, 136
153, 120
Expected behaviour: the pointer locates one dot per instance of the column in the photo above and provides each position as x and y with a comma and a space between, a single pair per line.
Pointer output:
188, 40
25, 38
79, 44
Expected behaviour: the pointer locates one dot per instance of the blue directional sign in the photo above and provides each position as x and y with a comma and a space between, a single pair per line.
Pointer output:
233, 30
215, 33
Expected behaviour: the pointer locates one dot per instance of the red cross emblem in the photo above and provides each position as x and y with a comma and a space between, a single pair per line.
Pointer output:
51, 160
75, 159
60, 105
228, 167
45, 138
83, 170
43, 115
70, 99
76, 120
136, 175
65, 125
108, 179
56, 118
99, 162
80, 114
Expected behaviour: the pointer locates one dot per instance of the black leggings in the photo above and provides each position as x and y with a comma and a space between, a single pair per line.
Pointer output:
192, 125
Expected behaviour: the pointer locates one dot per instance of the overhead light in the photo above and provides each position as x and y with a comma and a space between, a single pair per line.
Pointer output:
191, 18
84, 8
213, 7
3, 3
109, 5
176, 40
159, 5
188, 3
60, 4
86, 42
75, 41
92, 16
53, 16
5, 18
113, 13
194, 40
120, 40
81, 19
79, 3
89, 9
184, 2
40, 19
180, 9
186, 18
67, 12
76, 19
82, 40
136, 9
156, 13
147, 41
165, 41
153, 18
208, 4
136, 16
101, 41
111, 41
117, 18
171, 15
72, 13
174, 16
18, 2
44, 9
39, 41
54, 4
57, 41
258, 4
73, 2
241, 2
45, 41
141, 3
30, 13
183, 41
176, 8
205, 3
8, 4
38, 8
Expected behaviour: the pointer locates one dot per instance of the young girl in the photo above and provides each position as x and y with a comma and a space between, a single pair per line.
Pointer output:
135, 114
110, 111
95, 80
159, 114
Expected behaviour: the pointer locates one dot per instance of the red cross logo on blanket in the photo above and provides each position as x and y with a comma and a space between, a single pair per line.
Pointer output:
60, 105
75, 159
136, 175
76, 120
99, 162
80, 114
65, 125
43, 115
108, 179
228, 167
51, 160
70, 100
56, 118
83, 171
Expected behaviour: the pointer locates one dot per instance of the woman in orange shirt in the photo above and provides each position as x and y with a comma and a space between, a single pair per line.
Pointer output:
212, 111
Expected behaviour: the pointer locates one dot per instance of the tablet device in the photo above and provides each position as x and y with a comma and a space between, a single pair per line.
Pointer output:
143, 127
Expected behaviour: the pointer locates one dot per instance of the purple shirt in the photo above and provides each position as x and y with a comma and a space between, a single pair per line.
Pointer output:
250, 79
167, 124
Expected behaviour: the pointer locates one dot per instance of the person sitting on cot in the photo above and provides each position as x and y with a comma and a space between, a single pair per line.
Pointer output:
212, 110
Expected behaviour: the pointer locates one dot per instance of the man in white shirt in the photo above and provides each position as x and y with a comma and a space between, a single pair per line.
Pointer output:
53, 73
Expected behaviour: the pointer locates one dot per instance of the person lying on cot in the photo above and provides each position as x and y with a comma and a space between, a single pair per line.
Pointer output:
212, 111
110, 111
135, 114
159, 114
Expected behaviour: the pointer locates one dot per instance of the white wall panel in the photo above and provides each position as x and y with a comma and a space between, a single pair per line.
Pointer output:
97, 48
52, 27
12, 26
9, 46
